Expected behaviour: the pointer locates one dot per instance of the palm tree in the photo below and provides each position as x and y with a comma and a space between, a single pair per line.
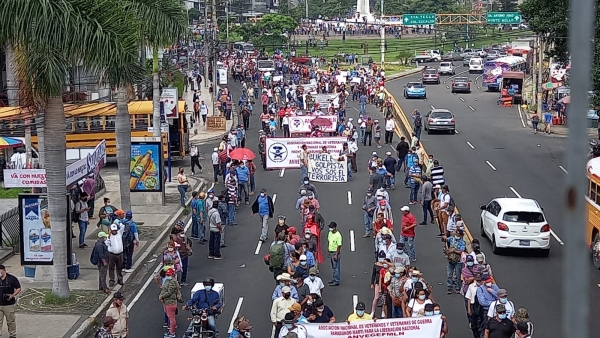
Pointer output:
160, 22
48, 34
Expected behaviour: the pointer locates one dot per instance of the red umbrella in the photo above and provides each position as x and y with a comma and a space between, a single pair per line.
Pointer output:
321, 122
242, 154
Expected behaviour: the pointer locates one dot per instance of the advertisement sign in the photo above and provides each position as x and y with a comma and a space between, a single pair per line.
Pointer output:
169, 99
222, 76
36, 178
285, 152
301, 124
145, 167
327, 168
418, 327
35, 230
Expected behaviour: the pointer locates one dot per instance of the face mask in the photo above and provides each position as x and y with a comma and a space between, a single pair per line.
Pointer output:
310, 197
457, 237
282, 283
168, 277
289, 326
309, 302
397, 275
170, 249
385, 266
330, 229
281, 222
430, 160
469, 263
369, 195
182, 235
502, 316
207, 287
320, 310
304, 249
360, 313
437, 312
307, 236
286, 295
503, 300
415, 279
422, 297
312, 277
302, 262
305, 182
262, 194
488, 284
247, 334
379, 198
380, 259
429, 313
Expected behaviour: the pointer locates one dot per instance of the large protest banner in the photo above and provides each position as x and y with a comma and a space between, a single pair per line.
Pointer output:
418, 327
285, 152
327, 168
301, 124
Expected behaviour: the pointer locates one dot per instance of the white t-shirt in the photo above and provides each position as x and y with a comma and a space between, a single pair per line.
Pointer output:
299, 330
389, 125
314, 286
416, 307
510, 309
471, 293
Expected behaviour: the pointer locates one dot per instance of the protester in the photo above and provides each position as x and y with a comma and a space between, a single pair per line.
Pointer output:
119, 312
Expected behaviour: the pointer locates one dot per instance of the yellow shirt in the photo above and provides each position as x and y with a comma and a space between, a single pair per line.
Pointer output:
335, 240
355, 318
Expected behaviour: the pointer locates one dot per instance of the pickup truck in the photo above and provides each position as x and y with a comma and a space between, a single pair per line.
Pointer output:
427, 56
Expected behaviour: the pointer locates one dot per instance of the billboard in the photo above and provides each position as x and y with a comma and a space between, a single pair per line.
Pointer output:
146, 167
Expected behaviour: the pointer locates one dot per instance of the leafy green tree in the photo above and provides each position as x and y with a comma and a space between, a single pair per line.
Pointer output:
508, 5
272, 29
47, 35
193, 14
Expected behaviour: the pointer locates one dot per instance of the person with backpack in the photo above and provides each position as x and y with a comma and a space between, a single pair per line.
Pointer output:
99, 258
418, 123
131, 240
279, 255
106, 215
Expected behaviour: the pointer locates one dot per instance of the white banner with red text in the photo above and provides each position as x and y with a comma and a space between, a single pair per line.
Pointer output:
327, 168
302, 124
417, 327
285, 152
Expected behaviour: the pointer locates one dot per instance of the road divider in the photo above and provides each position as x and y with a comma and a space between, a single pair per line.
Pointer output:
491, 165
432, 107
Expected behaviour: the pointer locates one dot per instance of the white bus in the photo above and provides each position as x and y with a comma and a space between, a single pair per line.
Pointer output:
265, 65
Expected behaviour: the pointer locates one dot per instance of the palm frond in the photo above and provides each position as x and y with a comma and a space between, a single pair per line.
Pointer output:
162, 21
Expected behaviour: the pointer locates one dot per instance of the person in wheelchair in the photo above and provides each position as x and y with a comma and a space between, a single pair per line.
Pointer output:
207, 299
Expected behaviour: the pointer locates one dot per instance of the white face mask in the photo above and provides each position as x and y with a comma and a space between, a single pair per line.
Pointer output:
307, 236
262, 194
182, 235
170, 249
305, 182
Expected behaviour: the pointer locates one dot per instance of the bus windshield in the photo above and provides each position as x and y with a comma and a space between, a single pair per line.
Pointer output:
265, 64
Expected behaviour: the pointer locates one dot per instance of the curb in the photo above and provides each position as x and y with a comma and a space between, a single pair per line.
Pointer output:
408, 132
91, 322
404, 74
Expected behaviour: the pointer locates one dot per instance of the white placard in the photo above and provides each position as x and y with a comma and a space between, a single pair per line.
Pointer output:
24, 178
169, 98
327, 168
222, 76
416, 327
277, 78
301, 124
285, 152
340, 79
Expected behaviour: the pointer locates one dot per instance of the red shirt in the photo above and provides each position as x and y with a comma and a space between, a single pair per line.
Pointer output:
407, 220
379, 225
382, 273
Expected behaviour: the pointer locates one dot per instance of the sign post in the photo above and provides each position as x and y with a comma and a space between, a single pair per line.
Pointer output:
503, 18
418, 19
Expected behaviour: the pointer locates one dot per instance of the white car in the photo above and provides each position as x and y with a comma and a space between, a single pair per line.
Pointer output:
446, 68
515, 223
476, 65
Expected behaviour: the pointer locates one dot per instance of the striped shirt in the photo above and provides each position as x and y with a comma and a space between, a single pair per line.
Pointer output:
232, 192
437, 175
414, 170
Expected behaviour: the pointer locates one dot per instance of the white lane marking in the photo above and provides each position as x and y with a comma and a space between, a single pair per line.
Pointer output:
515, 192
563, 169
491, 165
274, 198
355, 108
352, 243
449, 77
355, 300
556, 237
350, 197
462, 99
471, 107
521, 116
151, 276
456, 131
391, 146
238, 307
432, 107
470, 145
258, 246
477, 78
281, 172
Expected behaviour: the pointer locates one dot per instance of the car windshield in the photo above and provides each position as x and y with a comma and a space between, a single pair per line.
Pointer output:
523, 217
461, 79
441, 115
475, 62
431, 71
445, 64
414, 85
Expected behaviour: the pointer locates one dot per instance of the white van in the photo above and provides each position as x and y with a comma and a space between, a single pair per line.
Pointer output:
476, 65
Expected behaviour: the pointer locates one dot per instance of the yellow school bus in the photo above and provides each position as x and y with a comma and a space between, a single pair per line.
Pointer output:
88, 124
593, 209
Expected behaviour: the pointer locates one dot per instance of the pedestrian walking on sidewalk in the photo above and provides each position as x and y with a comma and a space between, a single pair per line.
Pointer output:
11, 287
114, 244
334, 240
119, 312
100, 256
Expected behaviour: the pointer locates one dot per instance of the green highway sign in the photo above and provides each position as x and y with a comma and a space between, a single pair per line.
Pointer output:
418, 19
502, 18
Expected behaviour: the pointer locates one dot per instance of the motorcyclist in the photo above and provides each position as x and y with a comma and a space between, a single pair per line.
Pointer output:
206, 299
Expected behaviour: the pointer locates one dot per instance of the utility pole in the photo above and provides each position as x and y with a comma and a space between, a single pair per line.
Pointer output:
214, 55
227, 21
539, 77
382, 32
534, 73
306, 8
206, 44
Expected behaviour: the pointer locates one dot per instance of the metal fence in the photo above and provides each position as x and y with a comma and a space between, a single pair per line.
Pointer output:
9, 221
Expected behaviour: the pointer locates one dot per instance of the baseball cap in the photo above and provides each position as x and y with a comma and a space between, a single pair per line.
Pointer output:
500, 308
303, 257
215, 149
114, 227
170, 272
388, 153
361, 306
128, 214
118, 295
399, 269
399, 246
428, 307
295, 307
245, 326
470, 258
286, 289
405, 208
502, 293
102, 234
313, 270
479, 257
289, 318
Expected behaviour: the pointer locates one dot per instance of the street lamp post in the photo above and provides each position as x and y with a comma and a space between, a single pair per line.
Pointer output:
382, 32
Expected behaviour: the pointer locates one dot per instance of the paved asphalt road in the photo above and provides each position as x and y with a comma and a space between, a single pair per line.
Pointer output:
492, 155
254, 283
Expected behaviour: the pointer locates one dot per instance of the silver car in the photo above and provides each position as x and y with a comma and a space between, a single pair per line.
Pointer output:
430, 76
440, 120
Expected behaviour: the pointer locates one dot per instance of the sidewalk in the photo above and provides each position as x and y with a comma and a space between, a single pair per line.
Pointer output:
79, 315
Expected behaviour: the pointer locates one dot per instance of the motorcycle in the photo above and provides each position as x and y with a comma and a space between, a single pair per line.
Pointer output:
594, 149
199, 327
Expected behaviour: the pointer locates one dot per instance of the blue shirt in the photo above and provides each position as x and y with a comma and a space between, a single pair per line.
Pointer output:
310, 259
484, 297
363, 99
414, 170
263, 206
205, 300
547, 117
459, 243
243, 173
277, 292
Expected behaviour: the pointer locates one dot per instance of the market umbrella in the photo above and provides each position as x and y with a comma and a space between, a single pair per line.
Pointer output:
9, 142
242, 154
565, 100
321, 122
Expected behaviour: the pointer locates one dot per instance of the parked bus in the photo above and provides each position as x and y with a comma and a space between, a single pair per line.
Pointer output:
592, 199
265, 65
88, 124
492, 70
